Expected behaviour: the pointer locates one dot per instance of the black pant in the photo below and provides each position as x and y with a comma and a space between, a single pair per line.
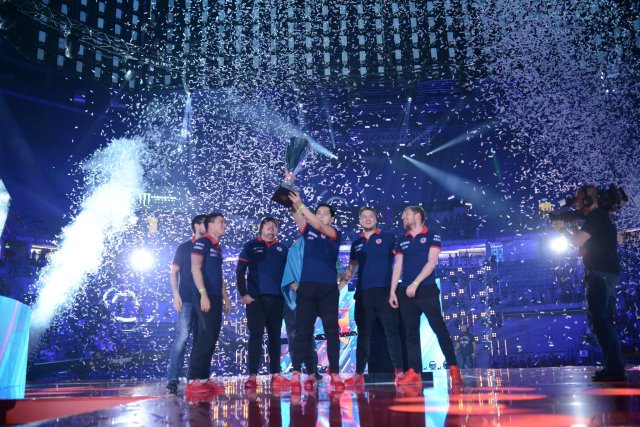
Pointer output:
209, 325
601, 306
426, 301
372, 304
290, 325
266, 311
465, 360
306, 415
315, 300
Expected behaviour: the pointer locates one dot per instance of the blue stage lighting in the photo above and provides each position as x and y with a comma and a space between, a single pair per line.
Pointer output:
141, 259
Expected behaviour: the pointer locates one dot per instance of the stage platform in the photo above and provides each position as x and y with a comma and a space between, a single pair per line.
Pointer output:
544, 397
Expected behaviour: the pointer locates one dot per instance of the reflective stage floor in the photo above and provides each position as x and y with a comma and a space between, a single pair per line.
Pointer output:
544, 397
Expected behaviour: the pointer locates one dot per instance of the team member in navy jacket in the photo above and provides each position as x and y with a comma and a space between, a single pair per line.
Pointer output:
209, 296
416, 258
317, 294
183, 289
265, 258
372, 255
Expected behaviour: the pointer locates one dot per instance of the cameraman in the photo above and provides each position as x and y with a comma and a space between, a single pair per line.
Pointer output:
597, 243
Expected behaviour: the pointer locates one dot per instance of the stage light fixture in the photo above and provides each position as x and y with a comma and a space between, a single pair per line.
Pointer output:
411, 90
8, 14
559, 244
5, 202
71, 44
141, 259
130, 71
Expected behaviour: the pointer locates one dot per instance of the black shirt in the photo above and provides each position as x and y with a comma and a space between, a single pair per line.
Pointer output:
601, 250
466, 343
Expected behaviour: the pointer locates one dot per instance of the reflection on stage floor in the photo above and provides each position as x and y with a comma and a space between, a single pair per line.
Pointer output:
509, 397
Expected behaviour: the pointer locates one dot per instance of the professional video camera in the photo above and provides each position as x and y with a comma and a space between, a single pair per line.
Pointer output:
609, 199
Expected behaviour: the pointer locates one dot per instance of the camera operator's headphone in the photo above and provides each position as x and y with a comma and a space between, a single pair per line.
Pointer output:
587, 200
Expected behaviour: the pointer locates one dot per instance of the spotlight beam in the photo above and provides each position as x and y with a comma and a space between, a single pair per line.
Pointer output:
465, 189
460, 139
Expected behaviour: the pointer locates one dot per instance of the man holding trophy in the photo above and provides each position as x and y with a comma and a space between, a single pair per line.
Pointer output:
317, 293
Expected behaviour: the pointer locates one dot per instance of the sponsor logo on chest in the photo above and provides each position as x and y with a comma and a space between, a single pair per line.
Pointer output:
311, 236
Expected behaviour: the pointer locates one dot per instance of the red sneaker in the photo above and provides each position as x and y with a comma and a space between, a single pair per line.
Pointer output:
251, 382
399, 375
197, 387
357, 380
215, 386
410, 377
280, 381
409, 390
197, 399
310, 383
296, 399
336, 382
296, 387
454, 372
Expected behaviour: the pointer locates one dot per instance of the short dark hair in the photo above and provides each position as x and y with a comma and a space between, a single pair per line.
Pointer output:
367, 208
417, 209
332, 212
198, 219
590, 190
211, 217
266, 220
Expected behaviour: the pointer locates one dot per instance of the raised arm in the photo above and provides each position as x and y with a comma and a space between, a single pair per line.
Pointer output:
309, 217
299, 219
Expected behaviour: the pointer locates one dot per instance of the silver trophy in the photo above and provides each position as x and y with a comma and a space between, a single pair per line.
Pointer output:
297, 151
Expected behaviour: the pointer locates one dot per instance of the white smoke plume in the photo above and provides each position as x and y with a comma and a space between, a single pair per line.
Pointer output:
113, 178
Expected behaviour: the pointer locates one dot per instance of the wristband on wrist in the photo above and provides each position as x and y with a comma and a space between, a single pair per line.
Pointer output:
299, 208
202, 290
415, 282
